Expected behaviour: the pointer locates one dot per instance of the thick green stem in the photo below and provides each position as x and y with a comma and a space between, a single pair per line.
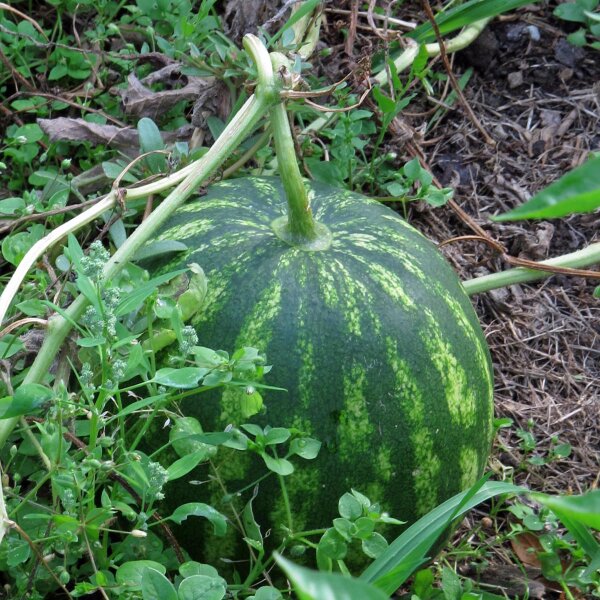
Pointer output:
237, 130
299, 227
575, 260
301, 224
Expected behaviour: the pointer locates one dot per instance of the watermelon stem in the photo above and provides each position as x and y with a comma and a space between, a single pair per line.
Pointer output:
299, 227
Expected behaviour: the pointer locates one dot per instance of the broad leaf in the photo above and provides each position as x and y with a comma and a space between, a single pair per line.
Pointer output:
199, 509
578, 191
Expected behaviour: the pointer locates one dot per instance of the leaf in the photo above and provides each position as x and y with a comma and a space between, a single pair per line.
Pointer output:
304, 10
202, 587
184, 465
199, 509
130, 573
409, 550
135, 299
183, 437
313, 585
158, 248
332, 545
570, 11
463, 15
583, 509
276, 435
155, 586
150, 140
281, 466
185, 378
349, 507
27, 398
251, 527
192, 567
374, 545
578, 191
307, 448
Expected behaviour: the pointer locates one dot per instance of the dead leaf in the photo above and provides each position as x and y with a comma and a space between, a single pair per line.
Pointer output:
525, 546
140, 100
123, 138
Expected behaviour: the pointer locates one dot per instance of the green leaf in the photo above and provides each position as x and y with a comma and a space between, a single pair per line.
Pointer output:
185, 378
183, 437
304, 10
136, 298
27, 399
463, 15
409, 550
184, 465
155, 586
570, 11
583, 509
16, 245
202, 587
307, 448
313, 585
130, 573
251, 527
199, 509
195, 568
349, 507
266, 593
374, 545
32, 132
332, 545
276, 435
451, 584
150, 139
385, 103
159, 248
576, 192
281, 466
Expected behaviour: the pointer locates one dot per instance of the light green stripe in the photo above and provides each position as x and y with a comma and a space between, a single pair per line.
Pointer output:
471, 331
389, 282
427, 463
469, 467
460, 397
355, 429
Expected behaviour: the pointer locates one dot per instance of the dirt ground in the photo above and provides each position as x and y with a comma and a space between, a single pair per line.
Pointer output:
538, 98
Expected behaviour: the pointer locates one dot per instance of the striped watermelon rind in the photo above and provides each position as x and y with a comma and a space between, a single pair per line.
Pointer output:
373, 337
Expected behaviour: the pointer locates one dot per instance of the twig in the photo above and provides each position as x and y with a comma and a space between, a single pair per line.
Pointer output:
455, 84
41, 216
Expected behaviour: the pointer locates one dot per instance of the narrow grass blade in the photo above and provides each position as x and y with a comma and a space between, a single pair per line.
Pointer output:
463, 15
388, 572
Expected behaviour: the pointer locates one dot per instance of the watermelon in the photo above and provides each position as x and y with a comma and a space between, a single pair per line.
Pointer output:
370, 333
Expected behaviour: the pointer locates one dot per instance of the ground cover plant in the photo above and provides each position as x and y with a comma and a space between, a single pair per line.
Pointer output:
93, 437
